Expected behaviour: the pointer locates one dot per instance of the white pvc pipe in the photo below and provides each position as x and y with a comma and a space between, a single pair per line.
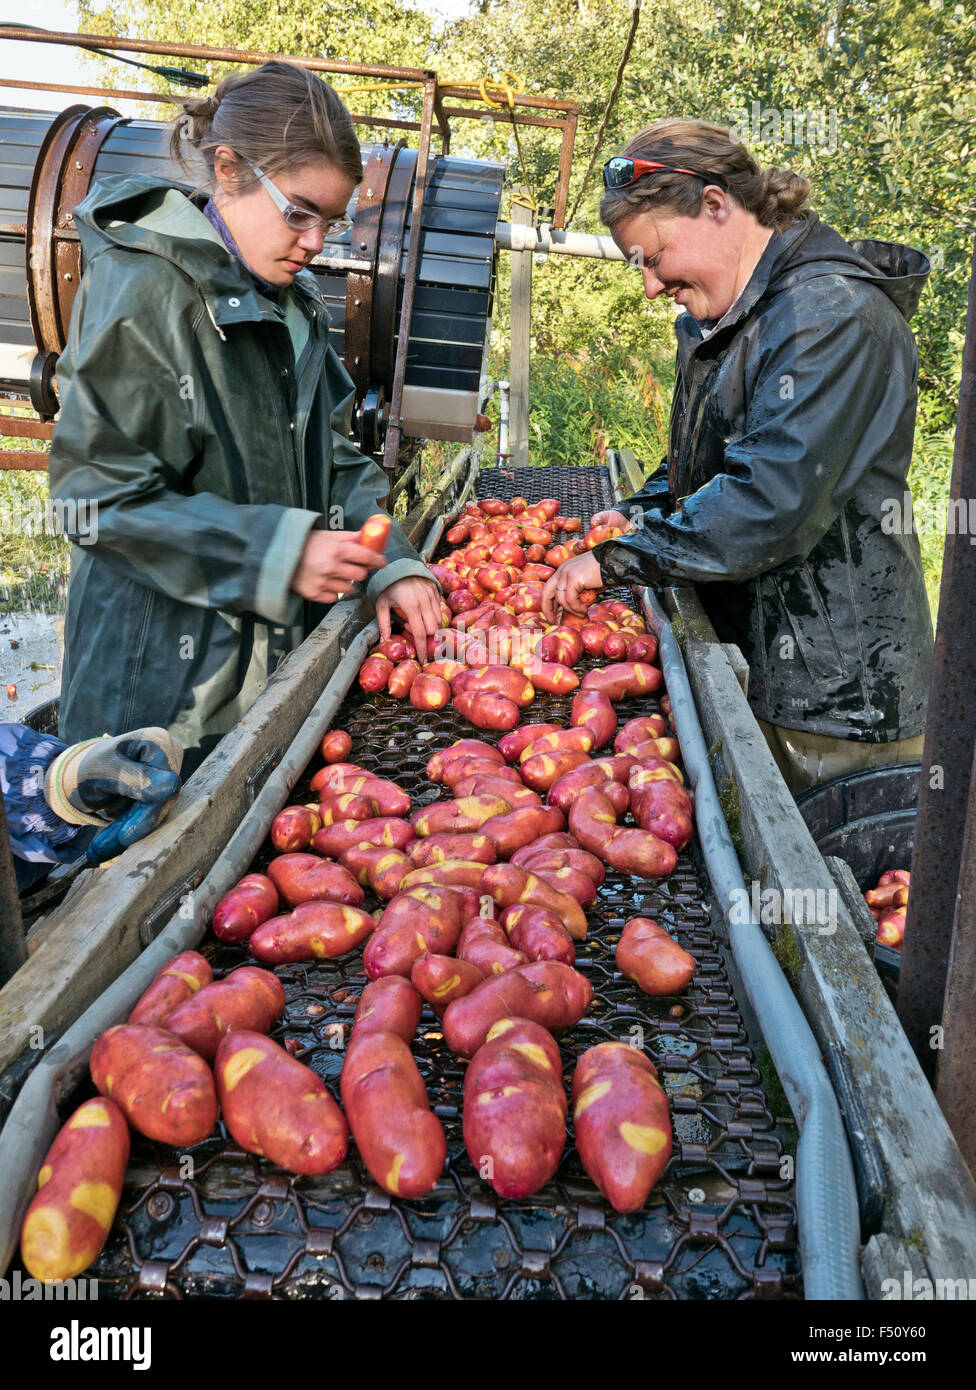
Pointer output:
513, 236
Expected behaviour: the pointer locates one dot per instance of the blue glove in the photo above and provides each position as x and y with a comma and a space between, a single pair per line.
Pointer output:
130, 780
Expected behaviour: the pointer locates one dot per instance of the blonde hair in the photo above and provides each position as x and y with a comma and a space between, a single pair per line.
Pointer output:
773, 196
279, 116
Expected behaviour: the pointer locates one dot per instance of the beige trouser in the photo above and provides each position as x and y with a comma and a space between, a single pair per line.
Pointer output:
805, 759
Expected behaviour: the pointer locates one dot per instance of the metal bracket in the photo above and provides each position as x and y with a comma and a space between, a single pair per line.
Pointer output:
155, 920
261, 773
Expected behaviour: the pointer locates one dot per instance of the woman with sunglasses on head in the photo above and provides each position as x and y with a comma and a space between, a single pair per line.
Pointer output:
205, 419
790, 438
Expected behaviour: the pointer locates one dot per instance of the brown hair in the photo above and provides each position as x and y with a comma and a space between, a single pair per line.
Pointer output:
279, 116
774, 196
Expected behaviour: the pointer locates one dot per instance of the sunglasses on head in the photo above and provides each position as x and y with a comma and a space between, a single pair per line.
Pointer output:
621, 171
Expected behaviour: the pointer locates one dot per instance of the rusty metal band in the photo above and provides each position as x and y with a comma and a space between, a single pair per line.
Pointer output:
360, 287
62, 175
384, 325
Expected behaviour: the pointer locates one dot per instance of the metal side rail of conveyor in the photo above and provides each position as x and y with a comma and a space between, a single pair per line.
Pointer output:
722, 1222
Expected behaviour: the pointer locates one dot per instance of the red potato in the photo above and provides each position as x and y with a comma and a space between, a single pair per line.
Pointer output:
418, 920
457, 535
442, 979
340, 771
538, 934
188, 972
468, 813
643, 647
592, 710
314, 931
493, 506
497, 680
652, 768
514, 1116
336, 746
537, 571
248, 998
388, 799
665, 810
455, 873
568, 880
639, 730
534, 859
445, 577
436, 848
544, 771
596, 773
430, 692
555, 840
621, 1123
447, 670
509, 786
506, 884
375, 532
551, 677
162, 1087
624, 679
79, 1186
402, 678
559, 741
294, 827
647, 954
390, 1004
545, 991
463, 748
389, 831
891, 927
562, 645
303, 878
374, 674
592, 820
614, 648
342, 807
277, 1107
594, 638
395, 649
511, 745
461, 771
399, 1138
484, 945
521, 826
382, 870
461, 600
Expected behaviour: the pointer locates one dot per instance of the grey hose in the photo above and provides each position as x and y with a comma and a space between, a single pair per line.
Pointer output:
829, 1226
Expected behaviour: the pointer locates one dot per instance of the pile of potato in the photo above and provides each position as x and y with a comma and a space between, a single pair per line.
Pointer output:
888, 904
484, 894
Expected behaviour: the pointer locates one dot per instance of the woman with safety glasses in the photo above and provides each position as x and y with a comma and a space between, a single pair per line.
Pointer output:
205, 419
790, 436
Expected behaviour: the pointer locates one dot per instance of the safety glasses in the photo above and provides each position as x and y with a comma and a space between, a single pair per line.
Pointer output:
621, 171
299, 219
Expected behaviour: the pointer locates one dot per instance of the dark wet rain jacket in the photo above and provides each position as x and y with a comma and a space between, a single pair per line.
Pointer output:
210, 453
790, 440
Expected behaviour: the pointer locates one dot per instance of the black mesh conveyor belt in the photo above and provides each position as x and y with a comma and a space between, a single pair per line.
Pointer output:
720, 1224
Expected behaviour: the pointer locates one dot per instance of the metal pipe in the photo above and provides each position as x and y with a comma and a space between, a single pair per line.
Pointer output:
504, 388
827, 1211
512, 236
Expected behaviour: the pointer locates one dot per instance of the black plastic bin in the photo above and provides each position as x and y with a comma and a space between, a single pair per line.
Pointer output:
868, 819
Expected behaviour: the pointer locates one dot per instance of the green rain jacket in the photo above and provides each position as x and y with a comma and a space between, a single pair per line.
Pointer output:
197, 454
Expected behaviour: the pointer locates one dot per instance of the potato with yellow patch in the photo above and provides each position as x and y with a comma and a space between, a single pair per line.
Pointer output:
390, 1004
621, 1122
179, 980
163, 1088
248, 998
277, 1107
421, 919
514, 1116
79, 1186
399, 1138
314, 931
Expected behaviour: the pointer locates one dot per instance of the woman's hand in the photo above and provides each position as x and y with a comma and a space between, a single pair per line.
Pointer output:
610, 518
332, 562
419, 600
563, 588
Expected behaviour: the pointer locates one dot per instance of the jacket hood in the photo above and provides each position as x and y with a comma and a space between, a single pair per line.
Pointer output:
163, 218
809, 248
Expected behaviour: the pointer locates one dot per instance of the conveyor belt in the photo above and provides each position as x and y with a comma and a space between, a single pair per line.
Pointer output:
719, 1225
